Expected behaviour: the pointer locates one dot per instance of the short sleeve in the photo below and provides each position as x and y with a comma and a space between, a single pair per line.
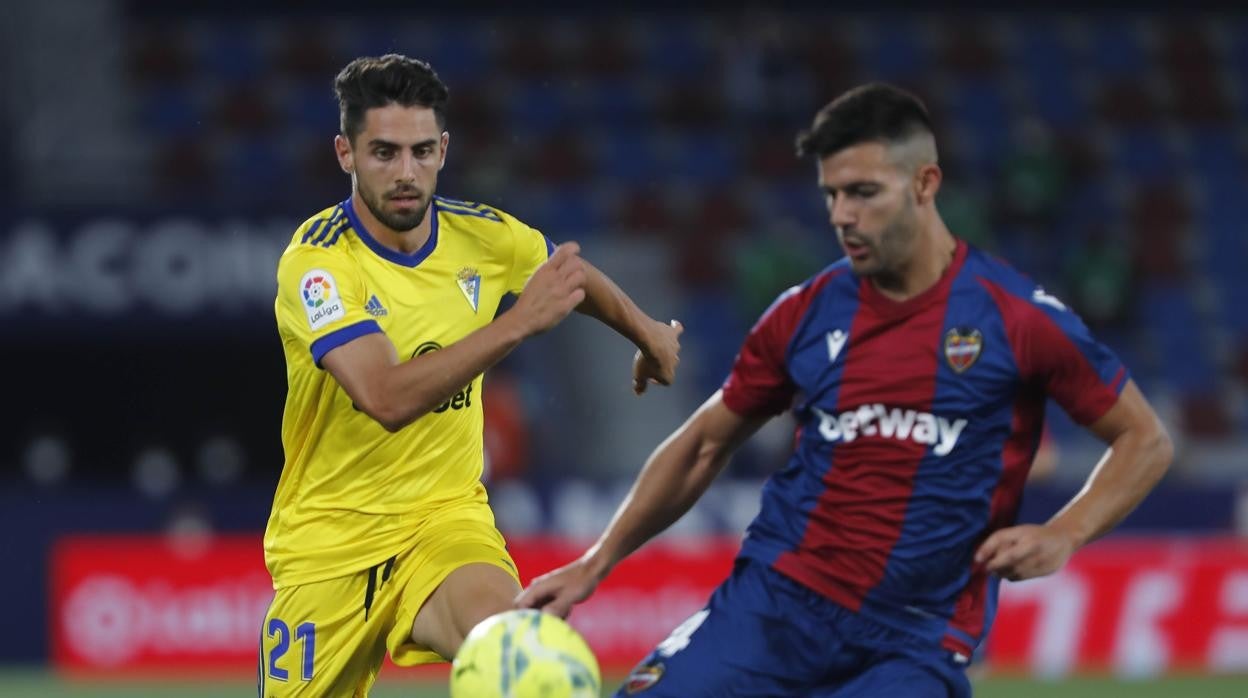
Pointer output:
1055, 350
531, 250
320, 300
759, 382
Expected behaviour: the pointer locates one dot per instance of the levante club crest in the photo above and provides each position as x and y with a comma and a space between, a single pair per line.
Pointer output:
643, 677
962, 347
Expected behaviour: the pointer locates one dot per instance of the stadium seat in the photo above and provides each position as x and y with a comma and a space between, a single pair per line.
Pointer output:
459, 50
1043, 57
310, 107
616, 103
252, 168
1215, 153
557, 159
1115, 48
168, 111
1143, 154
969, 50
528, 52
538, 107
891, 50
677, 47
979, 109
1127, 102
626, 155
702, 157
1177, 331
229, 52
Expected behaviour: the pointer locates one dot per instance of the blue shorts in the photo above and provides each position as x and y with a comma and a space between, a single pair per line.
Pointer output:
763, 634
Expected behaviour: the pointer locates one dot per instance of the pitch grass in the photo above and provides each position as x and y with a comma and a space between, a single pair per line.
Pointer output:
27, 683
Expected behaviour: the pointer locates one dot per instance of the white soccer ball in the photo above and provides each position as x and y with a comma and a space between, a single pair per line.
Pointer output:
525, 654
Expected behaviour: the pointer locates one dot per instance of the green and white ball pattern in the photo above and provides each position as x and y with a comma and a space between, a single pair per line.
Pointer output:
524, 654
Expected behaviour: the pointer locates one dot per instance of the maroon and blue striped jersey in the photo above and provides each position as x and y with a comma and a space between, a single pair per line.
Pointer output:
917, 424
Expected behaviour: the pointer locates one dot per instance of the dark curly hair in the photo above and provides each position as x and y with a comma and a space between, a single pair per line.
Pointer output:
368, 82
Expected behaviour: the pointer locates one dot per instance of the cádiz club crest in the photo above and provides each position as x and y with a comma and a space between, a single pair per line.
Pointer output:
470, 283
963, 346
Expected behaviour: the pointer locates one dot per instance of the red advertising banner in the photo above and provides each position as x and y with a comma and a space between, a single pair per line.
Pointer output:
150, 604
147, 604
1132, 607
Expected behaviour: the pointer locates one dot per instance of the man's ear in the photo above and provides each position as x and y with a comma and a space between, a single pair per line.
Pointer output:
346, 158
927, 182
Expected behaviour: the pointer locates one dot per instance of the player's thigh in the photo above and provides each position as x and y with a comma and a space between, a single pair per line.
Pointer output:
459, 574
467, 596
902, 675
717, 654
319, 640
748, 641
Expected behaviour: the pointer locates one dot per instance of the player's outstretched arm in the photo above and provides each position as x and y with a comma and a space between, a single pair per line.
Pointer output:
395, 392
658, 343
1139, 454
674, 477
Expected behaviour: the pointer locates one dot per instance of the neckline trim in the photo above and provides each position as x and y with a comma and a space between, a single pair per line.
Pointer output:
408, 260
873, 297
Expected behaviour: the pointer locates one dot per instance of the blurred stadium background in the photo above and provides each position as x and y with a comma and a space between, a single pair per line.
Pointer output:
161, 154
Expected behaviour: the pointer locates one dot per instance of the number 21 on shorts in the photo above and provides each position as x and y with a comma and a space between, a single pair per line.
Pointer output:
305, 635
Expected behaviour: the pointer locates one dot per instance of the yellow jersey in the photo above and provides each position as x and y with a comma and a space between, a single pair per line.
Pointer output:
351, 494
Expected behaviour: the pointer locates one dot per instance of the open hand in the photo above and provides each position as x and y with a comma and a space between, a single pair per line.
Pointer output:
558, 591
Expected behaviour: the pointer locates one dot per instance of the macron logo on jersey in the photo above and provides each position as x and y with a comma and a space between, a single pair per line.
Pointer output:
836, 342
892, 423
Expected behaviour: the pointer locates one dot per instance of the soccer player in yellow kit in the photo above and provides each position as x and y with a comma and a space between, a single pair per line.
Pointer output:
380, 536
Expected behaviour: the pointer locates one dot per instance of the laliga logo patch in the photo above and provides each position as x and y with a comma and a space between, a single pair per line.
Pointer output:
962, 347
470, 283
320, 298
316, 289
643, 677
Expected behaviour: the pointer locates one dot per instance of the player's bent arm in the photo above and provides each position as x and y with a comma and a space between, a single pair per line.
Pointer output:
396, 393
672, 480
656, 341
1138, 456
1139, 453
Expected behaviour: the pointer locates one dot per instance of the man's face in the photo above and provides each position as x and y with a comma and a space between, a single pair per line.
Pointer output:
394, 161
871, 204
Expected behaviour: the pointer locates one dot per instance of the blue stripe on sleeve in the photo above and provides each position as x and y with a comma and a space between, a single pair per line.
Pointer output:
339, 337
312, 230
335, 228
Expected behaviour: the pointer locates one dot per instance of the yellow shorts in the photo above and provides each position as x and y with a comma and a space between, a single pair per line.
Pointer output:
328, 639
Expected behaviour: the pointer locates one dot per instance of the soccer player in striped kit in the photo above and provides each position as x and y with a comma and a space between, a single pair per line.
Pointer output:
917, 368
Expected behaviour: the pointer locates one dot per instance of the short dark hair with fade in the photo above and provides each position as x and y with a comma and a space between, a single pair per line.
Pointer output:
368, 82
873, 112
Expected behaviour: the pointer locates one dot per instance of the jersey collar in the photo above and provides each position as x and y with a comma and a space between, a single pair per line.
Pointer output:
891, 308
407, 260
